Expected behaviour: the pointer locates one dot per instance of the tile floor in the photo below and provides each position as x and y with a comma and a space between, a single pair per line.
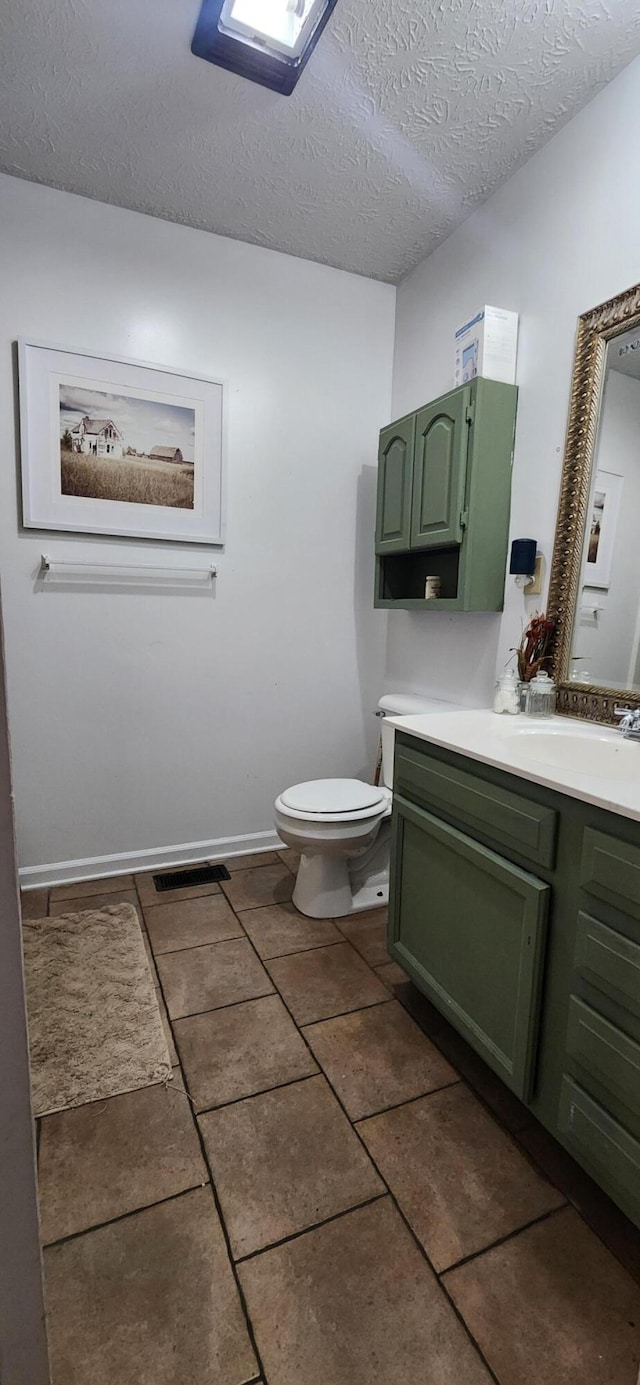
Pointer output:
334, 1191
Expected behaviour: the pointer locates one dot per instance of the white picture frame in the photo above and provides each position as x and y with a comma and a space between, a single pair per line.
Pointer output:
602, 526
91, 425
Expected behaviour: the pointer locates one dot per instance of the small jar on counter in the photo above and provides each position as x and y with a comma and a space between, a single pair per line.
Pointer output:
540, 696
507, 694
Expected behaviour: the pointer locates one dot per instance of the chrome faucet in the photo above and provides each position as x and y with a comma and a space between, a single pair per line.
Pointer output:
630, 722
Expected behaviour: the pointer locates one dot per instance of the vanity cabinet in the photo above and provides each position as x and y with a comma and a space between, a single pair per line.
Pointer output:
444, 489
516, 910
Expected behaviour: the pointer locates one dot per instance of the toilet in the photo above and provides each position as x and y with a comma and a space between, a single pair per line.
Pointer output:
342, 828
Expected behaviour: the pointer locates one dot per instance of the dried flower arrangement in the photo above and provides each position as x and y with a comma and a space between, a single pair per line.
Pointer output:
533, 651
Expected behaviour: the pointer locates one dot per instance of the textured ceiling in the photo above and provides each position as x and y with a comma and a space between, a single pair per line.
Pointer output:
407, 117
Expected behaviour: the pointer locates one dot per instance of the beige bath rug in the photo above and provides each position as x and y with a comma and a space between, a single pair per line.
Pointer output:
94, 1022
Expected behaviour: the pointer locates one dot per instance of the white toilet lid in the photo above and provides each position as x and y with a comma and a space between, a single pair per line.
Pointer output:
332, 796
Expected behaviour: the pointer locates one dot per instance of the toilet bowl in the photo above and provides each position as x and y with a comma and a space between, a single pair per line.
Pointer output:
342, 829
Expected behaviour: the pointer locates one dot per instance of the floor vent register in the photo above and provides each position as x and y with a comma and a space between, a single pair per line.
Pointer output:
184, 879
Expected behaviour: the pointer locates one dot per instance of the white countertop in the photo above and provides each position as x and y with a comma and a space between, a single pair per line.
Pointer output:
534, 749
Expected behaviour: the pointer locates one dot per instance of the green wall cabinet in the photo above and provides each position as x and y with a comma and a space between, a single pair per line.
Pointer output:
516, 910
444, 494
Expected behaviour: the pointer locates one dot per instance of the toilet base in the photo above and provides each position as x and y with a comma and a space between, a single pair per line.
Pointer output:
326, 888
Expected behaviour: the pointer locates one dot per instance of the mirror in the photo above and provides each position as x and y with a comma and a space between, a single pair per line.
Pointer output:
594, 593
605, 648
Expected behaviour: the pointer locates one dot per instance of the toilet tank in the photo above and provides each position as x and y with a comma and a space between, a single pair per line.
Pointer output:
404, 705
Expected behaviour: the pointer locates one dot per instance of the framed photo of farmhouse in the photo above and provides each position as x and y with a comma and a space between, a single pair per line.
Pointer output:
112, 446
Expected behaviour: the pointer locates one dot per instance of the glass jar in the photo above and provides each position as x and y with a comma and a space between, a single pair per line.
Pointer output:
541, 696
507, 693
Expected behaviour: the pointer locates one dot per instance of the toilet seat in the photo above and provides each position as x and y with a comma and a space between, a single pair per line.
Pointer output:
332, 796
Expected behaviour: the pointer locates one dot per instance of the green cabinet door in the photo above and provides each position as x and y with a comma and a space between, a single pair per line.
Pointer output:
395, 475
439, 474
470, 928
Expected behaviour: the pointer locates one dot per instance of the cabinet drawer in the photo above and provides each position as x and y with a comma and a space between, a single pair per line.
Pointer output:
610, 870
511, 820
470, 928
605, 1148
608, 961
604, 1054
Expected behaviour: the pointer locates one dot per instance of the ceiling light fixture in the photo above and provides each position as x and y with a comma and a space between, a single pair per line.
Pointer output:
268, 41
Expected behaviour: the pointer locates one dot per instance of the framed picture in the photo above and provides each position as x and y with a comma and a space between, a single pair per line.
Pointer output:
602, 526
113, 446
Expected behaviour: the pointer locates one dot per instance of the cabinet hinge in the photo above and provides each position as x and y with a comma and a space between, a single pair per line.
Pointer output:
468, 413
464, 519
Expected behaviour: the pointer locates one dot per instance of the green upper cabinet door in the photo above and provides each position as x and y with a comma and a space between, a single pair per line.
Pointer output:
395, 476
440, 469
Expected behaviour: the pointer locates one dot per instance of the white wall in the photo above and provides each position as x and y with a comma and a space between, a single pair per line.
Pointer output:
558, 238
140, 721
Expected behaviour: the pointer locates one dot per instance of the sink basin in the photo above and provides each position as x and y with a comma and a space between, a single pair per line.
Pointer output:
597, 756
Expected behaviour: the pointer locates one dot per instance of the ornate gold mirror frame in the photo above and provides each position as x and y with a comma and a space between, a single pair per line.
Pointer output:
595, 330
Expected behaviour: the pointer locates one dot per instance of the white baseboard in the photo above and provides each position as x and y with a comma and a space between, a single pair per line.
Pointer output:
159, 858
